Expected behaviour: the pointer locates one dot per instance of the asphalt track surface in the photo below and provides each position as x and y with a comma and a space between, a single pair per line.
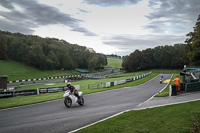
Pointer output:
53, 116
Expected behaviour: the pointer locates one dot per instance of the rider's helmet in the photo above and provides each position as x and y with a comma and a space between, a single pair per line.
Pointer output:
68, 84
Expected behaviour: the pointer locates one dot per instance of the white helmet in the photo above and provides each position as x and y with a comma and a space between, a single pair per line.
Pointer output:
68, 84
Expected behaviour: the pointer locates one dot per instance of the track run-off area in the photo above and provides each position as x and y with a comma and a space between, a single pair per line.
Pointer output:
53, 116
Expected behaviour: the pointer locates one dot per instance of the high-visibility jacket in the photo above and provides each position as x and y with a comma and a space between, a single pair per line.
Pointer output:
177, 81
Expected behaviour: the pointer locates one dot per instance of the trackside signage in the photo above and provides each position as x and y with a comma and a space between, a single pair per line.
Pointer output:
30, 92
43, 90
50, 90
18, 93
58, 89
25, 92
33, 91
6, 94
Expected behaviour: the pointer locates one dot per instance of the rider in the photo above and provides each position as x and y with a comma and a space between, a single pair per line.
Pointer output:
72, 89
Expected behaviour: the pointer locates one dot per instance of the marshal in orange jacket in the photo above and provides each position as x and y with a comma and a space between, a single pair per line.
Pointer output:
177, 83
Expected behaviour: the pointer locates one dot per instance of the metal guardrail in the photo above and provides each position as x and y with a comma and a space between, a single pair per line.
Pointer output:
100, 74
39, 79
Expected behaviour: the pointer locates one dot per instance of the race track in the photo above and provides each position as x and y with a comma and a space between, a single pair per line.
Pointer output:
53, 116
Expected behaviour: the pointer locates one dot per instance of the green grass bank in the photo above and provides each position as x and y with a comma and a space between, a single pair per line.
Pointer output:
114, 62
180, 118
19, 71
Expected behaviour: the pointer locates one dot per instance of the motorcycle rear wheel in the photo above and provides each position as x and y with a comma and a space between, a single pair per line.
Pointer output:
68, 102
81, 101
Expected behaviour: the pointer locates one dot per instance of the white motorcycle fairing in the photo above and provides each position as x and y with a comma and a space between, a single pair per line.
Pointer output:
70, 98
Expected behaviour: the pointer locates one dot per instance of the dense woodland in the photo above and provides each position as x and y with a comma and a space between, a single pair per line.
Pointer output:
48, 53
158, 57
167, 56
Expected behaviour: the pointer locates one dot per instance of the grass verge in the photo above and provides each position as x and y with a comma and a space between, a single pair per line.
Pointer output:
114, 62
19, 71
84, 83
26, 100
180, 118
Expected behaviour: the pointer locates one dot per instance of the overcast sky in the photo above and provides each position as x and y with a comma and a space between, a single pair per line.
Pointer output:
108, 26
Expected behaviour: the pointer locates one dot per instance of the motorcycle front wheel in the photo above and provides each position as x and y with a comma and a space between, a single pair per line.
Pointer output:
81, 101
68, 102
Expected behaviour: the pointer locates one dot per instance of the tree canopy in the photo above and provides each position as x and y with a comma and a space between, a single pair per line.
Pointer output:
193, 45
50, 53
158, 57
3, 47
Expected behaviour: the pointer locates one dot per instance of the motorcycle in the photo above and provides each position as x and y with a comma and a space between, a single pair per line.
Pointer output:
70, 98
161, 81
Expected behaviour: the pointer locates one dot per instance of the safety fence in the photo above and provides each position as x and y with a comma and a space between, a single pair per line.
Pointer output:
193, 86
100, 74
114, 83
16, 93
39, 79
88, 75
109, 84
33, 91
189, 87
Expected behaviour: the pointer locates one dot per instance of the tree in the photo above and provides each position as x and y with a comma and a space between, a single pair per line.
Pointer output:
37, 57
132, 62
147, 61
52, 60
93, 63
68, 63
194, 44
3, 47
178, 60
101, 61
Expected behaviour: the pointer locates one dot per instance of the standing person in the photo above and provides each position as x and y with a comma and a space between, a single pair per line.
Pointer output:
177, 83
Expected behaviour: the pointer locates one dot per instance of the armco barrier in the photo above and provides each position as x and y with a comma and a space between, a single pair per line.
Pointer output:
121, 82
28, 80
129, 80
109, 84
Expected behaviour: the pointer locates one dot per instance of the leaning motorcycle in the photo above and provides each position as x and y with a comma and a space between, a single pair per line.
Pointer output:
70, 98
